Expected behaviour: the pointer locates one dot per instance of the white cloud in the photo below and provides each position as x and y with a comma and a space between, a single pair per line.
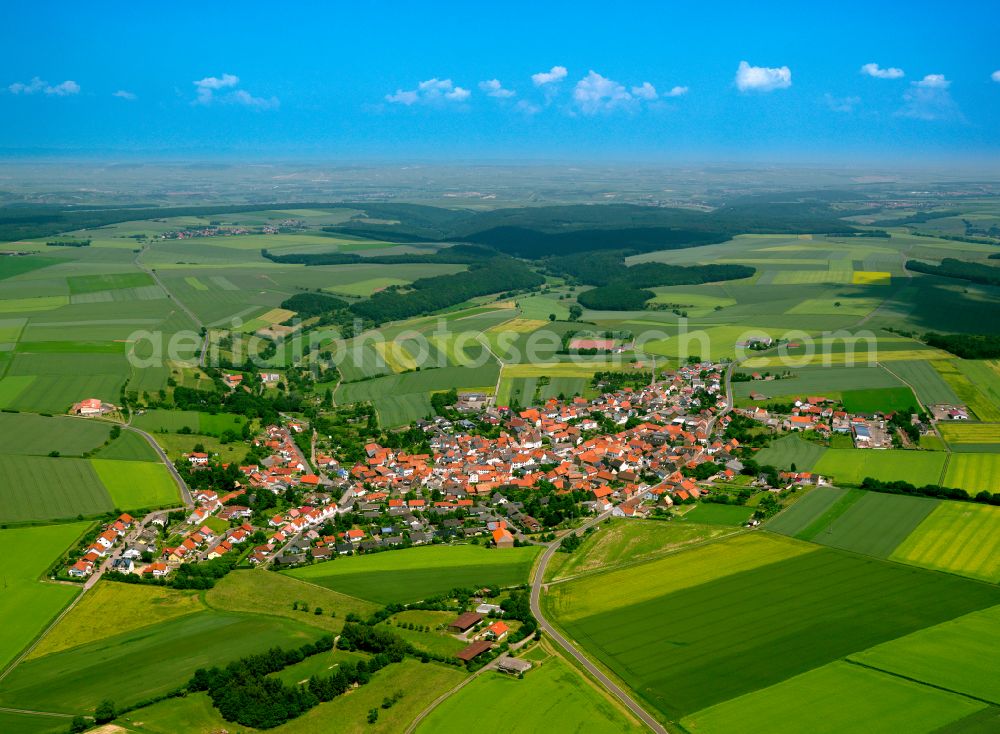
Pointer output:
207, 90
241, 96
762, 78
595, 93
553, 75
210, 84
929, 99
123, 94
430, 91
528, 108
933, 81
63, 89
647, 91
494, 88
676, 92
841, 104
995, 76
874, 70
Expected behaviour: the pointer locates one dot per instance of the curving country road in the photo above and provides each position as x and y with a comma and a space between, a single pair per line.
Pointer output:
536, 609
181, 484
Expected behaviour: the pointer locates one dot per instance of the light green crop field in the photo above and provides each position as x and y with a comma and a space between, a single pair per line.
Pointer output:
628, 541
809, 609
162, 657
957, 655
965, 436
552, 698
42, 488
978, 396
876, 523
958, 537
27, 605
974, 473
419, 573
266, 592
879, 400
589, 595
400, 410
199, 422
928, 384
710, 513
789, 450
95, 283
38, 435
14, 723
851, 466
110, 609
817, 702
135, 485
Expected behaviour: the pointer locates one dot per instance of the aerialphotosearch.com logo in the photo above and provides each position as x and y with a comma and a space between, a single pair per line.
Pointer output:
378, 351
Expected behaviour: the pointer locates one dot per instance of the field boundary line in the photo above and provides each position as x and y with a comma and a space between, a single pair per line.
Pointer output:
325, 588
894, 674
7, 710
650, 559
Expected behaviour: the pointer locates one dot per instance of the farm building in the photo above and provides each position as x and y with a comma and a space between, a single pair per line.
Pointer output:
466, 621
474, 650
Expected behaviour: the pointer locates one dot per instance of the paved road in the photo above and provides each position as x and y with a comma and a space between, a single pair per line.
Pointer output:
536, 609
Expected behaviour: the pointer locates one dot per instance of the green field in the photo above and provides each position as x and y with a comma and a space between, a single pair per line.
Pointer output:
622, 541
95, 283
806, 511
957, 655
129, 446
958, 537
851, 466
419, 573
161, 657
809, 609
879, 400
266, 592
979, 392
711, 513
135, 485
27, 605
876, 523
966, 436
419, 683
818, 381
39, 435
974, 473
552, 698
930, 388
14, 723
835, 698
789, 450
42, 488
172, 421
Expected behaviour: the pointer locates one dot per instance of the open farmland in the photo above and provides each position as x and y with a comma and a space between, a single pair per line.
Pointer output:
42, 488
980, 397
38, 435
927, 383
815, 702
967, 436
553, 698
137, 484
958, 537
957, 655
711, 513
791, 450
876, 523
818, 381
974, 473
162, 657
809, 609
806, 511
27, 604
623, 541
110, 609
419, 573
880, 400
851, 466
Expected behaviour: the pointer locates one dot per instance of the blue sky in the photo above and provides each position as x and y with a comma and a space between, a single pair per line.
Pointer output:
587, 81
